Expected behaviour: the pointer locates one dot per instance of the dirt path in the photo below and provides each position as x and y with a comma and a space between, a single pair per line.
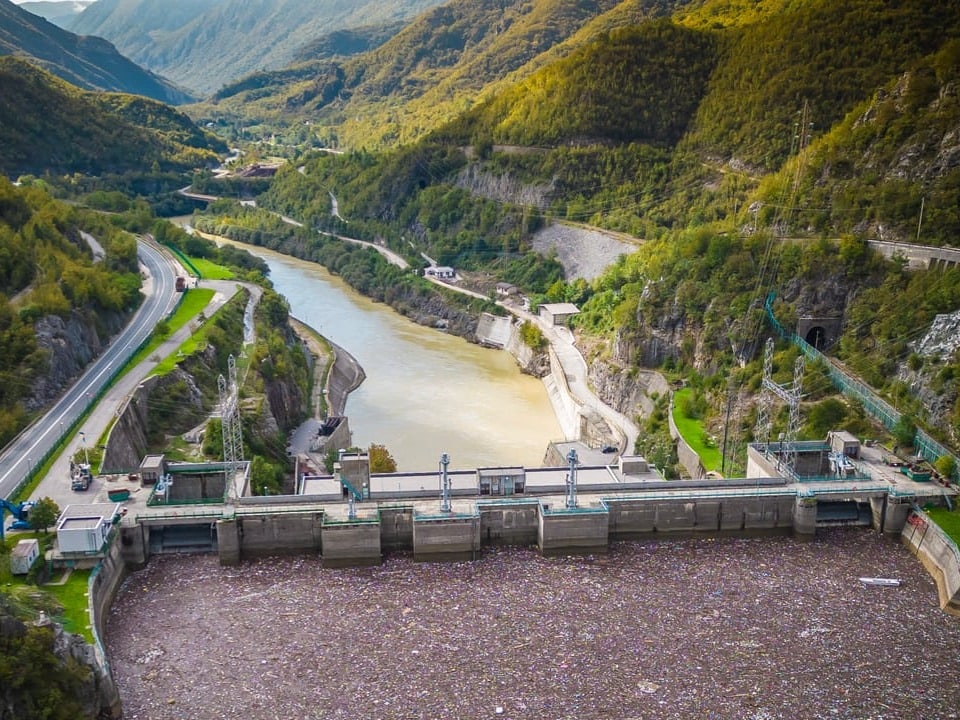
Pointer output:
323, 357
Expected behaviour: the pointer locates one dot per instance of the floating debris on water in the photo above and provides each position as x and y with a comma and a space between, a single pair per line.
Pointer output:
712, 628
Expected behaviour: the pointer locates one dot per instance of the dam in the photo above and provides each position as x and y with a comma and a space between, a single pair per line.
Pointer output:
356, 518
355, 522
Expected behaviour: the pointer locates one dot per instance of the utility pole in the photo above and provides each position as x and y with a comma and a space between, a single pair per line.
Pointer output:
920, 221
726, 430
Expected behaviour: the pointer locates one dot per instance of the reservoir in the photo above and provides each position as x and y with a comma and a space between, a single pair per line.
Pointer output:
426, 392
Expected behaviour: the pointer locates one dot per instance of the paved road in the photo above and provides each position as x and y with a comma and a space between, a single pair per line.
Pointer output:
55, 484
34, 442
575, 370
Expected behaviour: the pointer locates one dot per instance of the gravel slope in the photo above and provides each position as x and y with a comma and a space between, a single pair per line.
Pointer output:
584, 253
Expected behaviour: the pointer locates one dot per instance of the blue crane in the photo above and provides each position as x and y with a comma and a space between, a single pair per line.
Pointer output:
20, 513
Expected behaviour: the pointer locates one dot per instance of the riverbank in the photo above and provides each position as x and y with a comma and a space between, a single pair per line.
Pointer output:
336, 373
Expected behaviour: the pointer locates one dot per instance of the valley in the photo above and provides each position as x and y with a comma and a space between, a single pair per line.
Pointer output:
673, 197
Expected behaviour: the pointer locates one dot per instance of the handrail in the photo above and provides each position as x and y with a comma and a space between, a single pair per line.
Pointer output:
939, 532
873, 404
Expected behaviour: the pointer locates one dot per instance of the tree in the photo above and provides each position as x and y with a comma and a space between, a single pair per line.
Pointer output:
826, 415
44, 513
381, 461
329, 459
265, 477
904, 431
946, 466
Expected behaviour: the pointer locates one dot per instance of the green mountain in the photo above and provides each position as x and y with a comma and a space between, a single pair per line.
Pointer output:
346, 42
753, 147
435, 69
88, 62
49, 270
59, 12
204, 44
47, 125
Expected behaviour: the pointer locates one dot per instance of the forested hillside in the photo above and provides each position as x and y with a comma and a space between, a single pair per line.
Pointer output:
205, 44
755, 149
427, 74
88, 62
47, 125
50, 278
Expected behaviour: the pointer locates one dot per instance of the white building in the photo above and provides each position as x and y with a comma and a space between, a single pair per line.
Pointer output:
85, 528
557, 313
441, 272
23, 555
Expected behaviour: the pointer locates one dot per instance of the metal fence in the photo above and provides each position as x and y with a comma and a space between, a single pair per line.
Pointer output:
875, 406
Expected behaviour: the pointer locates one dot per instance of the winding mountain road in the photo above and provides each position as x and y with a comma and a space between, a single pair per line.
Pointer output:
28, 449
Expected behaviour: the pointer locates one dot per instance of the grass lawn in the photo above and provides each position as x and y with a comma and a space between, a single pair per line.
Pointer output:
193, 302
949, 521
693, 432
196, 341
72, 595
211, 271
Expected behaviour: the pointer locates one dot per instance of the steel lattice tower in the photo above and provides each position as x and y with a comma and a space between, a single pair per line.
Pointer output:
762, 431
791, 395
231, 428
793, 426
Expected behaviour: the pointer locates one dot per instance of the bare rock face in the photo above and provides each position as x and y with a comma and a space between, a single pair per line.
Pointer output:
503, 188
939, 344
70, 344
431, 310
627, 389
943, 337
168, 403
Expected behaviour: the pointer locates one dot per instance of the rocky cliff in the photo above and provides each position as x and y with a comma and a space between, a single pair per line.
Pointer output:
435, 310
56, 673
69, 344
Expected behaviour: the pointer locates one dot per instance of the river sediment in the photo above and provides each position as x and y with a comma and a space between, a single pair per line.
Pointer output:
710, 628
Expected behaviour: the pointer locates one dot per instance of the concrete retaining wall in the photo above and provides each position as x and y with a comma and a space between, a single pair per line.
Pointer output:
127, 440
263, 535
198, 487
565, 406
396, 528
509, 523
104, 584
939, 555
687, 456
632, 518
918, 256
350, 544
344, 377
494, 330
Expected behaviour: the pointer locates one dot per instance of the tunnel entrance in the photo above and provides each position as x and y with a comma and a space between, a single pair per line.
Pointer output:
817, 337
